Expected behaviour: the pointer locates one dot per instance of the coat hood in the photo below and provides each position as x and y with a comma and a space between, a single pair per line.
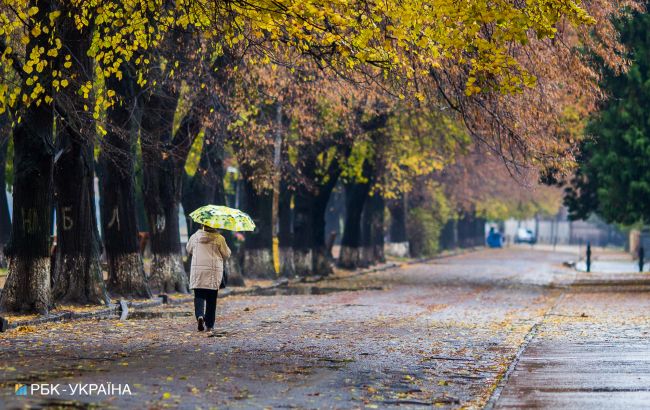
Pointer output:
207, 237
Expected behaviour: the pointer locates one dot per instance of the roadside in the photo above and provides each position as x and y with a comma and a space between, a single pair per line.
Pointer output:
590, 351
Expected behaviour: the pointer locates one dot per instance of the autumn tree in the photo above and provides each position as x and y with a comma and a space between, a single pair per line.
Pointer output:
613, 179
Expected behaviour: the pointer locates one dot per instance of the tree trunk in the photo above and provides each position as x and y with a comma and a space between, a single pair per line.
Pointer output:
287, 267
235, 277
355, 197
366, 251
126, 275
321, 254
303, 240
5, 219
398, 245
377, 207
77, 273
162, 165
258, 260
28, 282
322, 257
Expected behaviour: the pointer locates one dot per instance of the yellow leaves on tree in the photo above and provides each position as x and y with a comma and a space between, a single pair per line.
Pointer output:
404, 38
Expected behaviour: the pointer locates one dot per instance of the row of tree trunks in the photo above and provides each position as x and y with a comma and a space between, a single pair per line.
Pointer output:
126, 275
356, 194
303, 249
363, 236
27, 287
5, 219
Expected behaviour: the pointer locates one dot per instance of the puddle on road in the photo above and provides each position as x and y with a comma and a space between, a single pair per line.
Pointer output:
309, 290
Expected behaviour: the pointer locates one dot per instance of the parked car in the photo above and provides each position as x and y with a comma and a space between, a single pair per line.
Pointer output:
525, 236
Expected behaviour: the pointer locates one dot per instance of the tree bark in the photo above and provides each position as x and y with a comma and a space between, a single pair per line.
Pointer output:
303, 240
258, 260
376, 207
163, 158
398, 245
355, 198
28, 282
321, 253
366, 251
287, 266
77, 274
126, 275
5, 218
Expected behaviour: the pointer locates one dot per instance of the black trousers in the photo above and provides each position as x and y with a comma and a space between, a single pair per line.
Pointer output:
205, 304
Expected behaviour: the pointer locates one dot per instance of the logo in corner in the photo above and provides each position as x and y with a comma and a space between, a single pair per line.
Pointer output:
20, 389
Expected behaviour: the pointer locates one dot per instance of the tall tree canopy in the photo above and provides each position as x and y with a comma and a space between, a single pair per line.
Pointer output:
613, 179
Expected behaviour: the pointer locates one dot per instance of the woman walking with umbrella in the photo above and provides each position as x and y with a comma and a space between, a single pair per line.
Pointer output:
209, 251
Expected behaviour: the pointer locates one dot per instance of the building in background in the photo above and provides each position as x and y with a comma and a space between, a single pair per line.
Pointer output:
559, 230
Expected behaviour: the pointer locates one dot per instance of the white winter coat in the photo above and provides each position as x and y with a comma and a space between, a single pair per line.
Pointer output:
209, 251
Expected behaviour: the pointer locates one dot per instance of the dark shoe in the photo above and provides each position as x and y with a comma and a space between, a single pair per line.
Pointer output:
201, 324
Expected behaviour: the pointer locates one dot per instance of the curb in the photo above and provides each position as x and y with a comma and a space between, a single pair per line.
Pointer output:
392, 265
111, 311
115, 310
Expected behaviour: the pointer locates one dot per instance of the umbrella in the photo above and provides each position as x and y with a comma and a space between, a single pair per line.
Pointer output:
222, 217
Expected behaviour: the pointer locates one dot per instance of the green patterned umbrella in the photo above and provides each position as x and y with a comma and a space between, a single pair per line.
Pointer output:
222, 217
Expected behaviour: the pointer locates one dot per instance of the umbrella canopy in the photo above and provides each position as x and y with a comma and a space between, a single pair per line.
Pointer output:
222, 217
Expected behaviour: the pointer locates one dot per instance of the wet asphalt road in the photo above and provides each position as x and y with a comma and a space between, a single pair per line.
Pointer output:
438, 334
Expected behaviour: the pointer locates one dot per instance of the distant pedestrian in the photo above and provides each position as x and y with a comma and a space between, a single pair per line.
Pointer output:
588, 257
209, 251
641, 258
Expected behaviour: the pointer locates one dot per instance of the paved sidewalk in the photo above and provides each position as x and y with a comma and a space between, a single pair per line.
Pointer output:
591, 351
